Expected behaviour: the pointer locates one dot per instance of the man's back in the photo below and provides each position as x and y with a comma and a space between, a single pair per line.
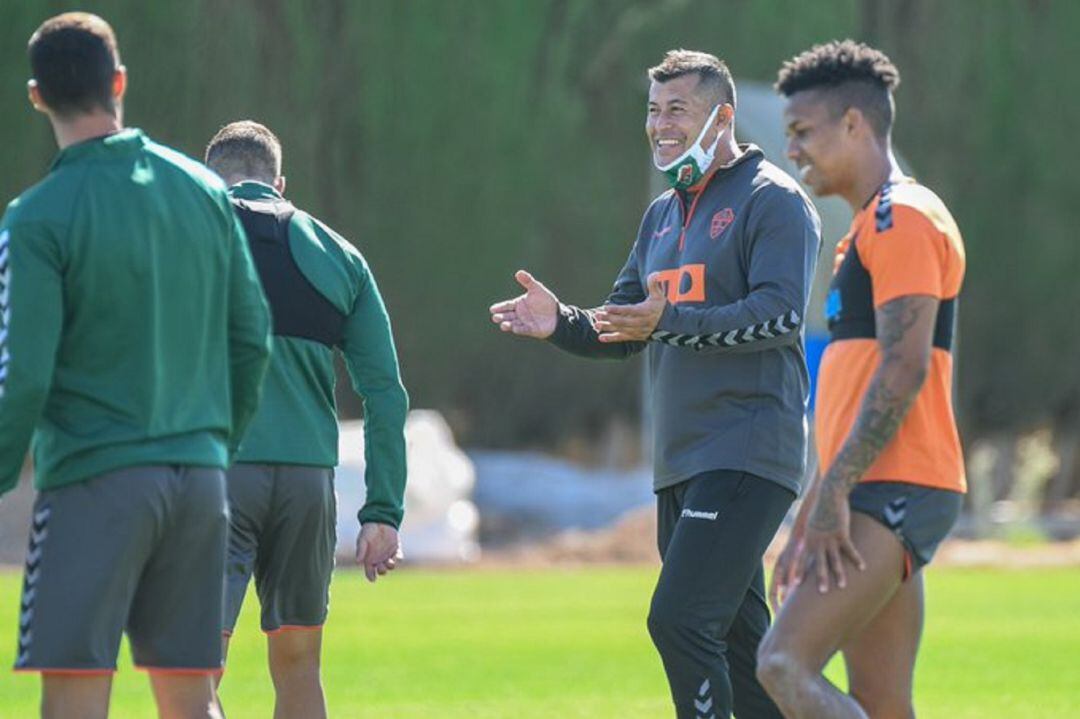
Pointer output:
137, 272
322, 297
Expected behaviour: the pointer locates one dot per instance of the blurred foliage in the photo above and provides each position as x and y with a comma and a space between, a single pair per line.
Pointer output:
455, 141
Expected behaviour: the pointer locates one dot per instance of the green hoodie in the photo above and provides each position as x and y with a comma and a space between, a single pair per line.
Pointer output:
297, 419
133, 329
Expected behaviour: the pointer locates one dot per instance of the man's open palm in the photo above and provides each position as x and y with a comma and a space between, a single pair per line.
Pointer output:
532, 314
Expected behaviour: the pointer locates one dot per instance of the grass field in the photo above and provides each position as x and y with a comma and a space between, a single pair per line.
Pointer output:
572, 643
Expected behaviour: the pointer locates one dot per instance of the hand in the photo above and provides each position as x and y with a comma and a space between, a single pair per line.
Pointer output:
532, 314
632, 323
377, 549
783, 578
828, 539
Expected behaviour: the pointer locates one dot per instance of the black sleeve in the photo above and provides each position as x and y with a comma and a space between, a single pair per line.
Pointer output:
575, 331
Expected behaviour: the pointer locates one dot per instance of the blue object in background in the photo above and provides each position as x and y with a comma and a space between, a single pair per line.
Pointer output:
815, 347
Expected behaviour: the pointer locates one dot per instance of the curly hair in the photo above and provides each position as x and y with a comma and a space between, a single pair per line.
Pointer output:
853, 73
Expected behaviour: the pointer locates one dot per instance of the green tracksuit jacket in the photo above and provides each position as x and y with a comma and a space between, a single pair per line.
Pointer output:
296, 422
133, 329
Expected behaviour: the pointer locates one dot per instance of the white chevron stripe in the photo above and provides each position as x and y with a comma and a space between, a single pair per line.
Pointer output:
894, 517
33, 575
28, 597
705, 687
703, 706
42, 515
769, 329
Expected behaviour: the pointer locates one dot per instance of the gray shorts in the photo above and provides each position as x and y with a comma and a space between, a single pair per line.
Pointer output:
921, 517
282, 529
140, 549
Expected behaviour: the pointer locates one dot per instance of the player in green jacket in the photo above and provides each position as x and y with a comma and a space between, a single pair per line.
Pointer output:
322, 298
133, 341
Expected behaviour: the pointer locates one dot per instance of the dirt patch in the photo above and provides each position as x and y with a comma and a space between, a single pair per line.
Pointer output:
632, 540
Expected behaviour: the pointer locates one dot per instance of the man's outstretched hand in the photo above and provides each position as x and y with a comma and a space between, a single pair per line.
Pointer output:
377, 549
532, 314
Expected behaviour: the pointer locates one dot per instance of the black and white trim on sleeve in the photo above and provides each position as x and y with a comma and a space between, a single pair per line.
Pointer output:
777, 327
5, 305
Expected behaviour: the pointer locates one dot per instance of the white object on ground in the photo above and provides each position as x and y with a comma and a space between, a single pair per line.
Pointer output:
441, 521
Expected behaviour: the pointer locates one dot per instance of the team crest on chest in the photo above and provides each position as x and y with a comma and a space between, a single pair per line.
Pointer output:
720, 222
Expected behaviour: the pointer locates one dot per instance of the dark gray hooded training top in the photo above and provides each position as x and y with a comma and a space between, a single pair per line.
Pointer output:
728, 368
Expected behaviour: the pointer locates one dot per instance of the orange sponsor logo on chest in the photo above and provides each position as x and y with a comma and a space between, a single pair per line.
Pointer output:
683, 284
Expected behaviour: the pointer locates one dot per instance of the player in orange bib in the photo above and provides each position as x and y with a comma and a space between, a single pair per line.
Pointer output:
892, 476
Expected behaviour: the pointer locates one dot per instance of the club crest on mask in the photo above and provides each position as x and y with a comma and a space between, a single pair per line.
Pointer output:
686, 175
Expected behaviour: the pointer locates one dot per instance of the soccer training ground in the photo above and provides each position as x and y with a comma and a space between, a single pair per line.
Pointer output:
532, 644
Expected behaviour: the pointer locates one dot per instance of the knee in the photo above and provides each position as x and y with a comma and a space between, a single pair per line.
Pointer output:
293, 654
777, 668
668, 622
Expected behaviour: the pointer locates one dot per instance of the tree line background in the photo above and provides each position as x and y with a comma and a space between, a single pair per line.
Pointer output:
454, 141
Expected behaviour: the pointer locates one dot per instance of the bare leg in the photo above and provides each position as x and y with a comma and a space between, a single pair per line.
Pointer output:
75, 696
184, 696
221, 675
294, 668
881, 660
812, 627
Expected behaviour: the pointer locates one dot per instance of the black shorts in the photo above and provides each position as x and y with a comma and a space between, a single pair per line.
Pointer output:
920, 517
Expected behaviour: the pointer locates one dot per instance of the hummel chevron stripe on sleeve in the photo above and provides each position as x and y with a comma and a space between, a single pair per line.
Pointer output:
770, 329
5, 305
31, 317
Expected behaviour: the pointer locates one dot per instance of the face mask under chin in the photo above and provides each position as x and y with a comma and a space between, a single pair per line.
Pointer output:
687, 169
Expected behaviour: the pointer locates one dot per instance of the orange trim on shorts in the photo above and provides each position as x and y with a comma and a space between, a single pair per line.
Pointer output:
72, 672
293, 628
179, 671
908, 566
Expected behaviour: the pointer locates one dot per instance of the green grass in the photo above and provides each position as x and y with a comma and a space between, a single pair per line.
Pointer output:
532, 644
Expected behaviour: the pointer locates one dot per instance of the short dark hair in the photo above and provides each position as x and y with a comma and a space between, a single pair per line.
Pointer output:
854, 74
73, 58
713, 74
245, 149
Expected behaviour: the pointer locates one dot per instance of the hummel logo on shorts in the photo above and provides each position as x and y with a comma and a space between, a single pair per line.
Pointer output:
694, 514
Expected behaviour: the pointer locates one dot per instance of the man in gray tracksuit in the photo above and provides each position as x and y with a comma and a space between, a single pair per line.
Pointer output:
715, 288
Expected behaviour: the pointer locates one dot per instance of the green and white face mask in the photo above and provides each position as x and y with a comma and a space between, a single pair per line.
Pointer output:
687, 169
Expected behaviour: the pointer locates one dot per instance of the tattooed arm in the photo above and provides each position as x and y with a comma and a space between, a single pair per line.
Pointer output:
905, 329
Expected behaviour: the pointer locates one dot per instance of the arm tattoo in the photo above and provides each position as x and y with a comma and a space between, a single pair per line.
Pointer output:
882, 411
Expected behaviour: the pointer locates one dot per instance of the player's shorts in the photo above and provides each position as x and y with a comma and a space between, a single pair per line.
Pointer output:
921, 517
140, 549
282, 529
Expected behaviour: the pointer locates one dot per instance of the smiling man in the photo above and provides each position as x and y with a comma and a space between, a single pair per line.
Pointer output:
715, 288
892, 470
